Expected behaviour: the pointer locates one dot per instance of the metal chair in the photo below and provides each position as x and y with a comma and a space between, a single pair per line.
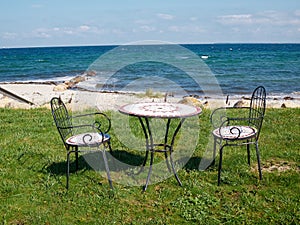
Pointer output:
239, 131
85, 137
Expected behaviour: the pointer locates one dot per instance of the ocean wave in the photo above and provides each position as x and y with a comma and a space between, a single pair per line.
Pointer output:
46, 80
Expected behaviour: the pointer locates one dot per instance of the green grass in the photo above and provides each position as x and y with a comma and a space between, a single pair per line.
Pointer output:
32, 180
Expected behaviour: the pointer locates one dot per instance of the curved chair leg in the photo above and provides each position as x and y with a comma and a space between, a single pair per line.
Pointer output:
220, 164
258, 161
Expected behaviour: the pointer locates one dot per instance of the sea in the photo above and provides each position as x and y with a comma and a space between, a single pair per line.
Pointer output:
235, 68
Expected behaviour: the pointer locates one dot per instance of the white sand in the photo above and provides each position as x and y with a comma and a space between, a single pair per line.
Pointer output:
41, 94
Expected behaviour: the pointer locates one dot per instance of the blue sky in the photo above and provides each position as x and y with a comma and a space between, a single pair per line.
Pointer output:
96, 22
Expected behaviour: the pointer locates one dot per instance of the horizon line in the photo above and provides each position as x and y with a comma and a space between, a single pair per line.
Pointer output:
99, 45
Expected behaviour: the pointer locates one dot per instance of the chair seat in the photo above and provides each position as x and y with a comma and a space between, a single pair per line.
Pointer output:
235, 132
87, 139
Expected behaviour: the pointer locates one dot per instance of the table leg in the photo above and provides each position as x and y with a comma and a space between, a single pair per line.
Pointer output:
171, 150
166, 144
150, 146
147, 141
150, 170
147, 145
148, 134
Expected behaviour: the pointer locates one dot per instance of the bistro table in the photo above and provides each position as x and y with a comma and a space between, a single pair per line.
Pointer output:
161, 110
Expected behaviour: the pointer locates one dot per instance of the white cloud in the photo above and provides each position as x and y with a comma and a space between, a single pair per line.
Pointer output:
236, 19
263, 26
9, 35
143, 21
84, 28
186, 29
68, 31
60, 31
269, 17
147, 28
165, 16
295, 22
193, 19
279, 18
117, 31
297, 13
174, 28
40, 33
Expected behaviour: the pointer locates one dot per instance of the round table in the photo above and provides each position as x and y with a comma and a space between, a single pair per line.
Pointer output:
163, 110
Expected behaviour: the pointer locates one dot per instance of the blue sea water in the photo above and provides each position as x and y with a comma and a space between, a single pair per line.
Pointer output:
238, 68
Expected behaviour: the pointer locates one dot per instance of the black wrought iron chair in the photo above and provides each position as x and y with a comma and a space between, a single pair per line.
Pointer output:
244, 130
86, 137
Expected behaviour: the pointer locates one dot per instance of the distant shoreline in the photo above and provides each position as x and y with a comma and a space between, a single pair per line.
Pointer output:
115, 45
275, 96
40, 94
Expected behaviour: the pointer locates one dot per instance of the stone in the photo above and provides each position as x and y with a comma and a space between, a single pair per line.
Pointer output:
191, 101
91, 73
74, 81
77, 79
239, 104
60, 87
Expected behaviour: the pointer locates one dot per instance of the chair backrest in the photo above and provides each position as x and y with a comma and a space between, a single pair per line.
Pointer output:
257, 108
61, 118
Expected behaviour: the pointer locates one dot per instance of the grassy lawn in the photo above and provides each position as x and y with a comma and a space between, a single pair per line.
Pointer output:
32, 180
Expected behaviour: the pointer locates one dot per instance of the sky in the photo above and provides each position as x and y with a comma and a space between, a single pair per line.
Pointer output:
28, 23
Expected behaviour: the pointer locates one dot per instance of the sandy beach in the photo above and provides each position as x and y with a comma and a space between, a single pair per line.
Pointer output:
35, 95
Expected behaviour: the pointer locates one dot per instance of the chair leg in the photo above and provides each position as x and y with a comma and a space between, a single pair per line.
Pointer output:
68, 170
109, 147
77, 158
220, 164
214, 152
107, 168
258, 161
248, 152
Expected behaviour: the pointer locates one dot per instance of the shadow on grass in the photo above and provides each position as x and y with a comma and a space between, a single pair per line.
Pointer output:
60, 168
192, 164
94, 161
